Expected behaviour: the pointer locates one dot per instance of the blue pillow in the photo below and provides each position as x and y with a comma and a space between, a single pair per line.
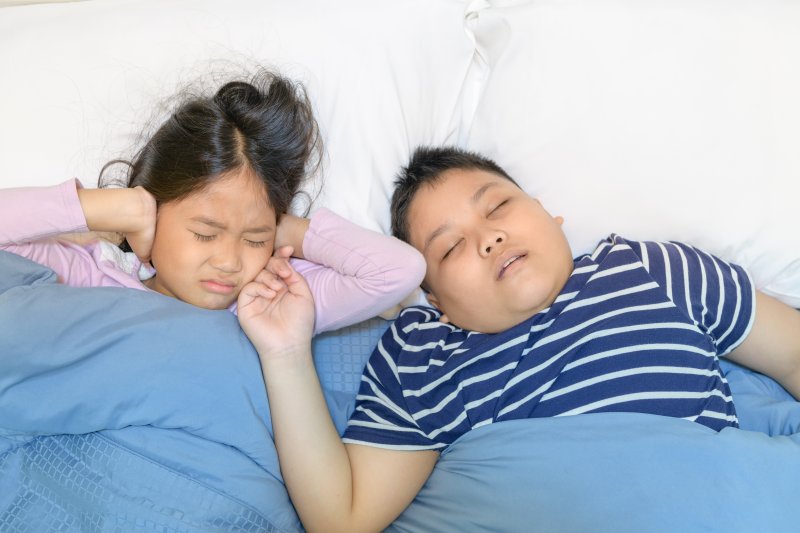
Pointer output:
152, 378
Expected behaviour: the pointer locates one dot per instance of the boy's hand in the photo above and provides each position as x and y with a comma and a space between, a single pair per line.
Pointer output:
276, 310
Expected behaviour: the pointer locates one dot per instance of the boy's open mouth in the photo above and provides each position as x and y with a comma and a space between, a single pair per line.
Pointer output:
508, 262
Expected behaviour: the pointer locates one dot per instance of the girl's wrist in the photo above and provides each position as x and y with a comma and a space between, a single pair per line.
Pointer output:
148, 208
292, 232
117, 210
287, 359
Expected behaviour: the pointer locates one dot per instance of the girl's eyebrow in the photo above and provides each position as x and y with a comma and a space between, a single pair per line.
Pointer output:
210, 222
219, 225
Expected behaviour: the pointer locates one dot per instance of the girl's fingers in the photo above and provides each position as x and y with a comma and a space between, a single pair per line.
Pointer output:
267, 293
280, 267
270, 281
275, 284
266, 276
276, 265
254, 290
264, 280
284, 252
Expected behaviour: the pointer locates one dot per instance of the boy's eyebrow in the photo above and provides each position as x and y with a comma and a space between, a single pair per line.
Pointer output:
438, 231
219, 225
480, 192
441, 229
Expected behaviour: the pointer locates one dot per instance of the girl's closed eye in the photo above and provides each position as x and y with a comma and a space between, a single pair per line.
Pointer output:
203, 238
255, 244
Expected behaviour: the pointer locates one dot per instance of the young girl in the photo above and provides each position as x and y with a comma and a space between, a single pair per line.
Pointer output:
206, 206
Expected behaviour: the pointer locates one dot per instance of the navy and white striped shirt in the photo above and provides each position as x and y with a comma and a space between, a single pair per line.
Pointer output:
638, 327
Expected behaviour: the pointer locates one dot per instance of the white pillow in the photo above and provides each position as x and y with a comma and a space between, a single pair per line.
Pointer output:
654, 120
82, 80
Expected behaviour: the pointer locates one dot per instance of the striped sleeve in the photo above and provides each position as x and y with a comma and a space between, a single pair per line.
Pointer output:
719, 297
381, 417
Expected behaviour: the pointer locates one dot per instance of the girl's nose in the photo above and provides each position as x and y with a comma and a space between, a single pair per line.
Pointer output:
226, 258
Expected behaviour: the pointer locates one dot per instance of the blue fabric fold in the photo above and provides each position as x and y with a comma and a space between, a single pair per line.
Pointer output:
610, 472
122, 409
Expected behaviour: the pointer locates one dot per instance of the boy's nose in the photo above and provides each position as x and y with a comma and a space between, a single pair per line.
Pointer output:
490, 243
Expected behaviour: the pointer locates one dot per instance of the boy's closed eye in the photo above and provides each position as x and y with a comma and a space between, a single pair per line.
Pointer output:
499, 207
496, 210
451, 249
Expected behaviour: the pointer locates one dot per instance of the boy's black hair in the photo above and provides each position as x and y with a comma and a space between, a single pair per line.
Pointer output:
427, 164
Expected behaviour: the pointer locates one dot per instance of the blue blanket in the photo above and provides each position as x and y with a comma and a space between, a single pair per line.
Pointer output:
122, 410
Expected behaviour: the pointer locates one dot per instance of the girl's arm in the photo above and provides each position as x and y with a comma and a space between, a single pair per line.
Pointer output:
130, 211
334, 487
34, 213
32, 216
354, 273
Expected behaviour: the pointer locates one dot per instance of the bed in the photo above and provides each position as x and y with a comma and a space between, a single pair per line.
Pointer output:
656, 120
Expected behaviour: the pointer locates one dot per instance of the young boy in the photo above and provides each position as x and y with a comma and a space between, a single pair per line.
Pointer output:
519, 330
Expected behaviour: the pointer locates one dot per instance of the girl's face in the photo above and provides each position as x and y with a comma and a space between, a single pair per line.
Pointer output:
209, 245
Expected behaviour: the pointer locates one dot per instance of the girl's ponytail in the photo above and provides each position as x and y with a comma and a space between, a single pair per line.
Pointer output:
265, 125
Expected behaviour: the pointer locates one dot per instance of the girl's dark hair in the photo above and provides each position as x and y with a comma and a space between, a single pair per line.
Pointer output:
426, 165
265, 125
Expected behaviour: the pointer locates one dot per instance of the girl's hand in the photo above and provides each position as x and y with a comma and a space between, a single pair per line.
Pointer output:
276, 310
131, 212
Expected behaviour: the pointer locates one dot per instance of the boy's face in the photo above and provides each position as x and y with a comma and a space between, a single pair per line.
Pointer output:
494, 256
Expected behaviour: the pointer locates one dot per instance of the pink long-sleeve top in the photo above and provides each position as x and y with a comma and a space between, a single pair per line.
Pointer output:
353, 273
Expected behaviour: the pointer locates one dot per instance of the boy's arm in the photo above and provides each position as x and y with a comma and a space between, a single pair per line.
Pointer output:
334, 487
752, 328
354, 273
773, 345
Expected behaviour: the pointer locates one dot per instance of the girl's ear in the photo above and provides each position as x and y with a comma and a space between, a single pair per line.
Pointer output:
559, 220
435, 303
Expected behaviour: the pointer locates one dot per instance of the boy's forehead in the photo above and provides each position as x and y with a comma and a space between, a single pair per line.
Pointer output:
454, 190
459, 183
457, 186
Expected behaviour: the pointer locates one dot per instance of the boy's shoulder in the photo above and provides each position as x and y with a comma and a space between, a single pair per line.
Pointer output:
610, 247
417, 328
416, 317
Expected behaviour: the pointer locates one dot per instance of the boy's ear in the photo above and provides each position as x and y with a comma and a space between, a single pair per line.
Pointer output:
435, 303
